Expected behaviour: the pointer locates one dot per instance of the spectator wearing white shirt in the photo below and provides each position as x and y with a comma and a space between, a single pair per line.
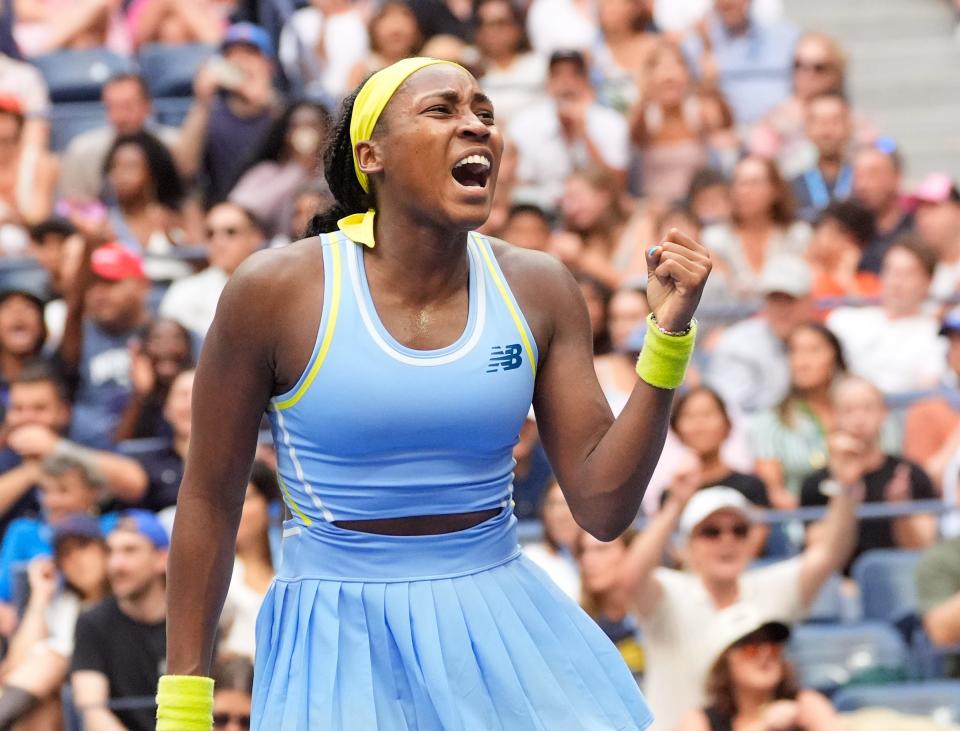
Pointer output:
566, 133
320, 45
562, 25
233, 234
677, 608
896, 345
675, 16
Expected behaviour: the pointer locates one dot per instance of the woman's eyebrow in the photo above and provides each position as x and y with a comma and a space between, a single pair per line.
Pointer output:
453, 96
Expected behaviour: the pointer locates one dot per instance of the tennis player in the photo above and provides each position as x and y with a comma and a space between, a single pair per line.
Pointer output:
397, 354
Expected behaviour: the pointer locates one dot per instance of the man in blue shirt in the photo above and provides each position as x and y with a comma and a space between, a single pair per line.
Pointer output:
751, 62
829, 128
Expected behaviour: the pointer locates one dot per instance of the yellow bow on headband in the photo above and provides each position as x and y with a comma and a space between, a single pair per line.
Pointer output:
369, 105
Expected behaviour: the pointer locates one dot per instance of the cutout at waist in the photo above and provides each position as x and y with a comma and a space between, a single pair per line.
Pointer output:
419, 525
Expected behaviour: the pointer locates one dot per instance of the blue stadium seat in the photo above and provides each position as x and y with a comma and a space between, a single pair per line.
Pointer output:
169, 69
887, 584
829, 606
69, 119
78, 75
938, 700
171, 110
828, 656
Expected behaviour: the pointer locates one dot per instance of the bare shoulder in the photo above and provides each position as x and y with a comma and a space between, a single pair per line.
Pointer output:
542, 285
273, 277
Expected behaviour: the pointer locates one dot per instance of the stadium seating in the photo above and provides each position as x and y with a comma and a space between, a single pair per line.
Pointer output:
69, 119
887, 585
828, 656
78, 75
940, 700
169, 69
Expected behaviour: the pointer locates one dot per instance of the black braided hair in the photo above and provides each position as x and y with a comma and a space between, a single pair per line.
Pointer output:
338, 169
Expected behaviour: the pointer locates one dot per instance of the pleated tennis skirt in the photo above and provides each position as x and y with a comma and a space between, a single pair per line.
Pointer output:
453, 632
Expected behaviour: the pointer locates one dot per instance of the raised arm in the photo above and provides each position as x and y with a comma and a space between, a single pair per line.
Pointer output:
233, 385
602, 464
838, 534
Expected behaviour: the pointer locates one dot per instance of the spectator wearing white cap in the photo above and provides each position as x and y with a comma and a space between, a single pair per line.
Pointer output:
936, 208
676, 608
896, 344
751, 684
749, 367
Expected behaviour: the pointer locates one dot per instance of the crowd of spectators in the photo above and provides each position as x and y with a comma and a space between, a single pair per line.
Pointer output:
828, 356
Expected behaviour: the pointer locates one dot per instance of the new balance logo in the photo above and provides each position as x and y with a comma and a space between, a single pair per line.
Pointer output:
505, 358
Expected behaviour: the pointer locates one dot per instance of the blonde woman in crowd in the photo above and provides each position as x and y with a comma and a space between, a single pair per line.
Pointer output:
764, 226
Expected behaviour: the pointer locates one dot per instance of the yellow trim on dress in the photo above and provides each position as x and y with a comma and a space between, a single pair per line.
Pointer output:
293, 506
327, 335
502, 288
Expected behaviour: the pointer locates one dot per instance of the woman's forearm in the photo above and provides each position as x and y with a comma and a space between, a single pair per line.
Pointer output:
200, 566
614, 476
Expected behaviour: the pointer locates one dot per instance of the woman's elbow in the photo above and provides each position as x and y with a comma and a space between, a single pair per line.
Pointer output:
604, 528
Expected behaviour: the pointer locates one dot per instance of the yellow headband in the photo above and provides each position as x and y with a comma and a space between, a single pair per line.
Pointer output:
367, 108
372, 99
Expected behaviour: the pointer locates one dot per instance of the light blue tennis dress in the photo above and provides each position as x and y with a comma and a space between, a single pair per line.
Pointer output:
452, 632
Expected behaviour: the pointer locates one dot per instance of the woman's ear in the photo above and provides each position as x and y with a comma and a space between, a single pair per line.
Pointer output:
368, 156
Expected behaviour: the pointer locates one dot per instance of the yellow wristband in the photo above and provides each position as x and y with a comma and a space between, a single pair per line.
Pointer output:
664, 358
184, 703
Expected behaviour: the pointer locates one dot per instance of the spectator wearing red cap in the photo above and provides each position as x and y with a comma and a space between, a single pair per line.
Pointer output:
234, 104
936, 208
27, 175
25, 82
106, 308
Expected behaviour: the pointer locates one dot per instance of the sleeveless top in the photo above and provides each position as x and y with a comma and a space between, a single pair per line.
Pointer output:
374, 429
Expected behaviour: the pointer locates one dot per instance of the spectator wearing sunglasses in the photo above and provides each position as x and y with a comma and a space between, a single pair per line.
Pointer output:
751, 684
819, 66
233, 234
676, 608
877, 173
233, 680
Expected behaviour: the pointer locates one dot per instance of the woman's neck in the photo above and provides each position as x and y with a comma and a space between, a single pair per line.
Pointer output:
712, 467
10, 365
750, 703
613, 604
760, 223
255, 555
504, 60
423, 263
135, 206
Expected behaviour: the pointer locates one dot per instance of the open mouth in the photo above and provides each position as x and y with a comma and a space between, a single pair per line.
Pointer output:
473, 171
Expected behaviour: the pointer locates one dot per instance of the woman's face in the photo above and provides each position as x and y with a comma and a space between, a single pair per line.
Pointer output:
628, 308
594, 307
701, 424
815, 70
583, 205
669, 78
83, 563
615, 15
306, 131
231, 710
177, 410
498, 34
756, 667
812, 360
396, 34
21, 326
129, 173
753, 192
600, 563
440, 152
66, 494
255, 518
169, 349
558, 522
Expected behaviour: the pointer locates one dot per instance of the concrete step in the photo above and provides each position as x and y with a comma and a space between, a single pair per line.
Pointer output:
904, 71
